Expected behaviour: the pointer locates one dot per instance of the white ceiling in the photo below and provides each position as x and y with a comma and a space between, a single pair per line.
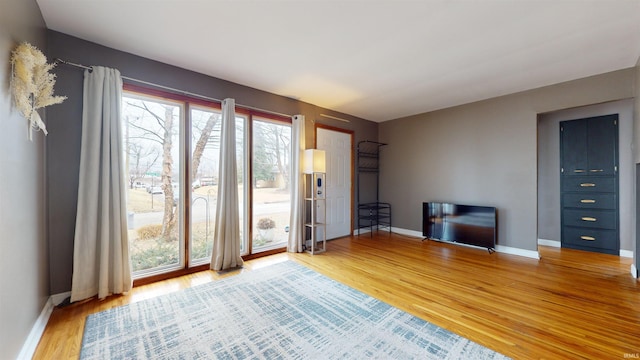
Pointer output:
376, 59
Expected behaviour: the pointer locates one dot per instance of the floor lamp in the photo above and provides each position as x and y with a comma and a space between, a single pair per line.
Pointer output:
315, 200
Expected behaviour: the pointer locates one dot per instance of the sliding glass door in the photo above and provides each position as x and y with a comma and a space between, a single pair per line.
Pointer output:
205, 144
172, 146
152, 139
205, 154
271, 165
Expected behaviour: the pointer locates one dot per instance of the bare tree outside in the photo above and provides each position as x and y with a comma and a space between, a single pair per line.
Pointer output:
205, 137
141, 160
157, 123
272, 153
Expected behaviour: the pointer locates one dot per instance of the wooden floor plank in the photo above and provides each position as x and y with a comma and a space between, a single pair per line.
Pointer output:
569, 304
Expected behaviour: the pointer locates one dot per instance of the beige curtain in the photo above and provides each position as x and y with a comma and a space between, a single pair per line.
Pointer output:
226, 237
296, 222
101, 262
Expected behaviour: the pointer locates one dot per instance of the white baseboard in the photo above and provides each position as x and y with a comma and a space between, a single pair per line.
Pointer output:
557, 244
400, 231
634, 271
499, 248
412, 233
517, 251
30, 345
626, 253
357, 232
59, 298
552, 243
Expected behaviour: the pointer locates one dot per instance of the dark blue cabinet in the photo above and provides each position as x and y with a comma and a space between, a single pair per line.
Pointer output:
589, 184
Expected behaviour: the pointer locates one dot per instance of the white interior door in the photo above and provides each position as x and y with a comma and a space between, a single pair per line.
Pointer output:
337, 146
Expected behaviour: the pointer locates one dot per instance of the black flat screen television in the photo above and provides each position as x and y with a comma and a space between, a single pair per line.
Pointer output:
466, 224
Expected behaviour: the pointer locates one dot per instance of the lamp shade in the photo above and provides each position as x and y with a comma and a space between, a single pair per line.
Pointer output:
314, 161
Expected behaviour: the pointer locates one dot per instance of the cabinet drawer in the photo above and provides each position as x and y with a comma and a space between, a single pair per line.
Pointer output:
601, 239
588, 183
590, 201
600, 219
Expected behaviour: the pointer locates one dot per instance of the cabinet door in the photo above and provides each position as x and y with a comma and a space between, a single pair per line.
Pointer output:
602, 141
589, 151
573, 142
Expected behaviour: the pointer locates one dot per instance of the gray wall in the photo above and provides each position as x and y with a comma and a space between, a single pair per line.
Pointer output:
549, 168
23, 248
482, 153
636, 112
636, 133
63, 147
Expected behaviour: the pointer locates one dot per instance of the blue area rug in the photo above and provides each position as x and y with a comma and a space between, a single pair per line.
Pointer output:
283, 311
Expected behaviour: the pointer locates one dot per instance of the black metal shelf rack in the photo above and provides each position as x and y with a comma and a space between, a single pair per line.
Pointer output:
372, 214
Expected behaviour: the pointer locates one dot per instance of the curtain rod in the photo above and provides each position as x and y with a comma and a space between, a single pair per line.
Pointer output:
60, 61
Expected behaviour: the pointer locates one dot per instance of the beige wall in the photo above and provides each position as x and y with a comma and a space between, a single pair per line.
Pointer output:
23, 248
549, 168
482, 153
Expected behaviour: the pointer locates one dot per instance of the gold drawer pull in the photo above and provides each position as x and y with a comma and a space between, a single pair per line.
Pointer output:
588, 218
588, 238
588, 201
596, 170
587, 185
578, 171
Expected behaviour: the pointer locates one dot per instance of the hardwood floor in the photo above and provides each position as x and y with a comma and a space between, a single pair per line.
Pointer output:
567, 305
